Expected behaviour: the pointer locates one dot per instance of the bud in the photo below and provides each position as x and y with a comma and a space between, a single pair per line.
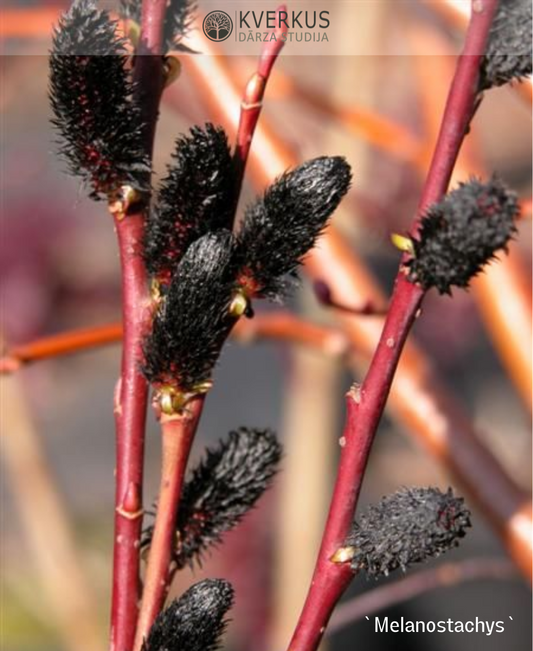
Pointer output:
462, 233
91, 96
407, 527
281, 227
508, 55
221, 489
195, 621
195, 198
193, 319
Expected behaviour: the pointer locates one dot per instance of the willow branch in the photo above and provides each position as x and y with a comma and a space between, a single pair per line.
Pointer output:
177, 434
252, 101
132, 389
365, 405
178, 443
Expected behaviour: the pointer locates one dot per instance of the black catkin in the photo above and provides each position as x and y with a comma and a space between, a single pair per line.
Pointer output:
282, 226
91, 97
179, 18
221, 489
196, 197
195, 621
462, 233
193, 319
407, 527
509, 52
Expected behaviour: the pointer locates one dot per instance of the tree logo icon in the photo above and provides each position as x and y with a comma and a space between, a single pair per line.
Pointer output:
217, 26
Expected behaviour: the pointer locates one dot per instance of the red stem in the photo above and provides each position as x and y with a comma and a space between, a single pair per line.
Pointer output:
130, 416
177, 433
252, 101
132, 390
365, 405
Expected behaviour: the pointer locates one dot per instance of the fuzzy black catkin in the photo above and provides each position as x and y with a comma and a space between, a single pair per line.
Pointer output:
195, 621
91, 97
179, 17
459, 235
221, 489
509, 54
196, 197
282, 226
407, 527
193, 320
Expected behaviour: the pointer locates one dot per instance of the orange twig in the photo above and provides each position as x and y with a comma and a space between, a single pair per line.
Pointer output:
277, 326
34, 22
64, 343
378, 130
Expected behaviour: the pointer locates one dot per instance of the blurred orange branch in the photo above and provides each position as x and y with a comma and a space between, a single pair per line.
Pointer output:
279, 326
63, 343
36, 22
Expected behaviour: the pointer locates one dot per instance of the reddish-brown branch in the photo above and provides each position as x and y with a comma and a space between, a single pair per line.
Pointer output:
366, 405
158, 572
130, 415
252, 101
177, 434
132, 390
443, 576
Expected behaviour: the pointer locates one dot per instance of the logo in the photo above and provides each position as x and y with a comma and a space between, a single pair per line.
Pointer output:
217, 26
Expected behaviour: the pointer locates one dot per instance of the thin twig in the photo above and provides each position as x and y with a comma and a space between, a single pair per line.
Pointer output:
252, 101
447, 575
132, 389
177, 434
281, 326
130, 415
63, 343
365, 405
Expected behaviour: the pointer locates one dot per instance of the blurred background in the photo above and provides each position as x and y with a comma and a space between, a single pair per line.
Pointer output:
59, 270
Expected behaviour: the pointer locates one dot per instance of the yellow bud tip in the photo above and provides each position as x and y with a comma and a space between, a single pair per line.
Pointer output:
121, 200
155, 290
133, 31
403, 243
238, 305
343, 555
166, 402
202, 387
